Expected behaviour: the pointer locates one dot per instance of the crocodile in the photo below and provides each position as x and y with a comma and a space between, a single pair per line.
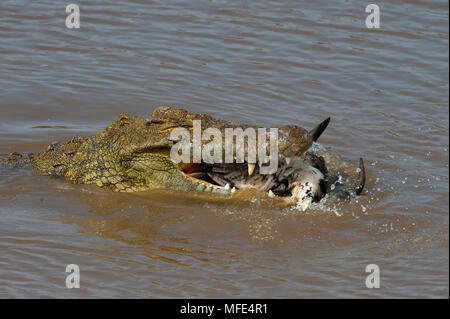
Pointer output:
133, 154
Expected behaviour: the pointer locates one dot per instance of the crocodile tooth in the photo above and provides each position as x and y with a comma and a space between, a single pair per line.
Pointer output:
288, 160
233, 190
208, 189
271, 194
227, 186
251, 169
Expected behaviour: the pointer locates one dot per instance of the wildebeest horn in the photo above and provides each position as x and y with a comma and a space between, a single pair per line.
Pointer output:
318, 130
361, 177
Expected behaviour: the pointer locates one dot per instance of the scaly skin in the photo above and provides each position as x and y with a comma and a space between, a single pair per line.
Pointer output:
132, 154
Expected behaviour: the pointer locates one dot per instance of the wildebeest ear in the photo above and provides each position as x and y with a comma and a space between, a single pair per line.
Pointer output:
318, 130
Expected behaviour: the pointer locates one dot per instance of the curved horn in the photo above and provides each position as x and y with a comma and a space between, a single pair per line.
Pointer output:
361, 177
318, 130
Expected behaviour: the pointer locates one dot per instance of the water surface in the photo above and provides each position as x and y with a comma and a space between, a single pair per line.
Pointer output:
259, 62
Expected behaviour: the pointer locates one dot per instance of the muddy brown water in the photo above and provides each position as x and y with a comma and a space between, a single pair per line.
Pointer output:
260, 62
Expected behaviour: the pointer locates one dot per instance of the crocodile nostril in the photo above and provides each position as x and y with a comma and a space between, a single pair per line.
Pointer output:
124, 120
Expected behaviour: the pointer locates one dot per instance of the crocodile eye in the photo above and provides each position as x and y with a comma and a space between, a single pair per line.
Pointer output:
153, 121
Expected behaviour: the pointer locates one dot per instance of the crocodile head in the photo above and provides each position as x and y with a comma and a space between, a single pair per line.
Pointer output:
133, 154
